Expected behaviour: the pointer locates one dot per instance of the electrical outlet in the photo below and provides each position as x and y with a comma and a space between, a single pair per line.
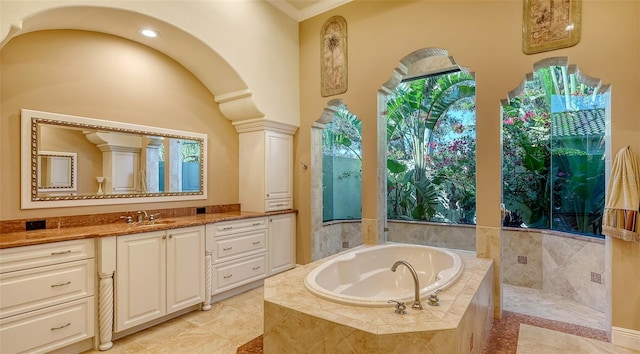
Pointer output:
202, 210
345, 244
522, 259
596, 277
36, 225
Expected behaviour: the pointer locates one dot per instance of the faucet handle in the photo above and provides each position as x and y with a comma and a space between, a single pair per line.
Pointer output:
400, 307
128, 218
154, 217
433, 298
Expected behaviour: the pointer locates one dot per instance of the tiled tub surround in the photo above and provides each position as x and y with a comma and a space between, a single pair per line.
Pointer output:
460, 237
563, 264
297, 321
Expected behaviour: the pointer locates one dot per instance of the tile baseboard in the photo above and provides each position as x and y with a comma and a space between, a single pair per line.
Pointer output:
627, 338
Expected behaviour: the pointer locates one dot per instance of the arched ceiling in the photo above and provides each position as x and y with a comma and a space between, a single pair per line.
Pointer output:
220, 78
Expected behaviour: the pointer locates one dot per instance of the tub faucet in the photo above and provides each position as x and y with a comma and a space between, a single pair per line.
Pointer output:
416, 301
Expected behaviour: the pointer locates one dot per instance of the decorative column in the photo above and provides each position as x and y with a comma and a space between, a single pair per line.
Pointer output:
105, 310
106, 264
206, 305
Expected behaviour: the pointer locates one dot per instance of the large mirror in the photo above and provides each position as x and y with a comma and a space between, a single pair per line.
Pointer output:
78, 161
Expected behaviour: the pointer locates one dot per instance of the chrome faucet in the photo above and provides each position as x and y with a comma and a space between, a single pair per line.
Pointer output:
416, 301
142, 215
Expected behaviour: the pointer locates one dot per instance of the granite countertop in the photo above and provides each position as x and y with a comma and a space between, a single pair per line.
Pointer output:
35, 237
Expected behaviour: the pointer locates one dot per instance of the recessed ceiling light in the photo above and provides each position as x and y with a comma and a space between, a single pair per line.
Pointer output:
147, 32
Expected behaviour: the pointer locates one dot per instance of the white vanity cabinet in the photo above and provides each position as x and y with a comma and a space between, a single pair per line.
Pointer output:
266, 165
239, 252
282, 243
47, 296
158, 273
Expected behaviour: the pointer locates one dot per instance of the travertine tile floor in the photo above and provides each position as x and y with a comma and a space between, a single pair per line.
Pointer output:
538, 303
237, 320
221, 330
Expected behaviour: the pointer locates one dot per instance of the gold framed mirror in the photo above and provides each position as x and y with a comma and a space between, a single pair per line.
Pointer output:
110, 162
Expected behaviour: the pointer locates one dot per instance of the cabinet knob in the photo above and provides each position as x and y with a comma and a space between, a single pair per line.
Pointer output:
164, 237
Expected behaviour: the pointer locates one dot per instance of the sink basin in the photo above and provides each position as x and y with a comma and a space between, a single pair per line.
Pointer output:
155, 223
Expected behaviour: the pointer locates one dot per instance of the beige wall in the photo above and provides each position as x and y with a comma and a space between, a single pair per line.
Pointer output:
237, 48
102, 76
486, 37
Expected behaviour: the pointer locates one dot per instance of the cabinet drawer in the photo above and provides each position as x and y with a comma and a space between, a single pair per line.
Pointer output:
236, 246
48, 329
235, 226
18, 258
30, 289
231, 274
278, 204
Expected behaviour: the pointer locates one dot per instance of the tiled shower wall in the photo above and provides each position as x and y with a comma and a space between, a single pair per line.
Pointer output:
563, 264
337, 236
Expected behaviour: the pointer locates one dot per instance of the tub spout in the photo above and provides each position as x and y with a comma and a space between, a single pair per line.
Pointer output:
416, 301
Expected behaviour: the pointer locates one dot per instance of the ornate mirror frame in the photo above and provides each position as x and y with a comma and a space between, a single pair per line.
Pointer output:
32, 198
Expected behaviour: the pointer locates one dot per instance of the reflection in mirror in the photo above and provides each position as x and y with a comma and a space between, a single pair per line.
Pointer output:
56, 171
112, 162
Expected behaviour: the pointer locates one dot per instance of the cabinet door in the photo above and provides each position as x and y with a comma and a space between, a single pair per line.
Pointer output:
140, 279
282, 243
278, 165
185, 267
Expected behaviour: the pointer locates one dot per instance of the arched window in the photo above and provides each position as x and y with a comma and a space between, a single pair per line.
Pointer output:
554, 151
342, 167
431, 149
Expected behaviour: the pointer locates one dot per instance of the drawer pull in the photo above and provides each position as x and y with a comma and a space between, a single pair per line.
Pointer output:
227, 228
228, 276
227, 248
256, 268
61, 252
256, 242
281, 204
62, 284
61, 327
256, 223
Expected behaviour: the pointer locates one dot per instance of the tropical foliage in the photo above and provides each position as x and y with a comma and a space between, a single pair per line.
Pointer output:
431, 149
553, 148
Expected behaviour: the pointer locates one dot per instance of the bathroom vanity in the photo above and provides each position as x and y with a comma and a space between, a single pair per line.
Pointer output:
81, 287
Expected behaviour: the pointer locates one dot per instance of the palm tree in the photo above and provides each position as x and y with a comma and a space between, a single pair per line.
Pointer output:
413, 111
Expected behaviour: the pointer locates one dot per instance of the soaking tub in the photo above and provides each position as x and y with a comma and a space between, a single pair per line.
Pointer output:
364, 277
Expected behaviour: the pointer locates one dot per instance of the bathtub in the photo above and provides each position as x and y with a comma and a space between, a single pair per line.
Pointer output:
363, 277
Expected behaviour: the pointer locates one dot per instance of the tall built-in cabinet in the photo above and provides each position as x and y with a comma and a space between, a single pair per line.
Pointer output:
266, 165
